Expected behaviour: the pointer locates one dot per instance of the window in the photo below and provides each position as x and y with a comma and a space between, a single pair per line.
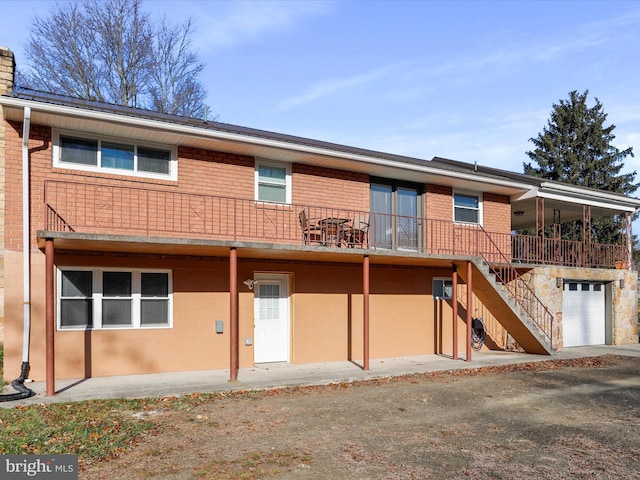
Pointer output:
467, 207
115, 155
442, 288
78, 150
154, 304
76, 299
110, 298
273, 182
117, 299
102, 154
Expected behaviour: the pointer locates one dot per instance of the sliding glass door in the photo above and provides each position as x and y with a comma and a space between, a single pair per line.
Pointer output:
396, 210
407, 218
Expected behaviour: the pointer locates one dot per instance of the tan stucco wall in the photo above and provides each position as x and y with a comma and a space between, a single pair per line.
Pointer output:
623, 307
326, 317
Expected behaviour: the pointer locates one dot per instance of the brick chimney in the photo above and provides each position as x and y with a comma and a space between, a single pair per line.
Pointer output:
7, 70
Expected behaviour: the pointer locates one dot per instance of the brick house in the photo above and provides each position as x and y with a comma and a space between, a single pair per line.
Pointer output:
151, 243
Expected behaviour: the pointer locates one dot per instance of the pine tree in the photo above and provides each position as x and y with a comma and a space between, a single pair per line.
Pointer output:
577, 148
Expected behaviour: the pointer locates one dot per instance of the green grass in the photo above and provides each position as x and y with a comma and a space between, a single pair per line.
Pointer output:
92, 429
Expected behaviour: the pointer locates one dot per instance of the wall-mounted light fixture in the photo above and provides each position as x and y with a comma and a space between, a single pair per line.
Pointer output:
622, 283
518, 213
559, 282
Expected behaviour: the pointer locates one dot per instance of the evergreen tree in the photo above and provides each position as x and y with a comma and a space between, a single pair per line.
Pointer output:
577, 148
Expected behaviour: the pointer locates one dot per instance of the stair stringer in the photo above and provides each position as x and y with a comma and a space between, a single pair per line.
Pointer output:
506, 311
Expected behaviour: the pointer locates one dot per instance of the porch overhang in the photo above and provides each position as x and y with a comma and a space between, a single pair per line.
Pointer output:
193, 247
567, 202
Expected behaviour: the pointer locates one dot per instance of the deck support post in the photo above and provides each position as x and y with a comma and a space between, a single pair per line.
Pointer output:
50, 327
540, 253
469, 316
454, 305
627, 238
365, 312
233, 314
588, 260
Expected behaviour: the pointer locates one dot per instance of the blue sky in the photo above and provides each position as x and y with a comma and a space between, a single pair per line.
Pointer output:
467, 80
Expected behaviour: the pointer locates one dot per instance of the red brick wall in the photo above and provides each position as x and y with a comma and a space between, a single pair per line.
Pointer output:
439, 202
215, 173
201, 172
206, 172
496, 212
40, 166
330, 188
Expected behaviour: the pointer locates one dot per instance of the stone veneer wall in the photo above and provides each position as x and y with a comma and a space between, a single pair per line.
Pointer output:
7, 72
624, 302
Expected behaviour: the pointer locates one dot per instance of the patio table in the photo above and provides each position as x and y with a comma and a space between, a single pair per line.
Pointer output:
332, 230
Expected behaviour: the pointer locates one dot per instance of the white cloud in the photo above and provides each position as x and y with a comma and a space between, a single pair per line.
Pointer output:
465, 69
245, 21
334, 86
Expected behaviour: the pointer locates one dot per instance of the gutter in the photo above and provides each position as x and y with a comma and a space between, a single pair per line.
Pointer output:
605, 196
261, 141
18, 383
578, 195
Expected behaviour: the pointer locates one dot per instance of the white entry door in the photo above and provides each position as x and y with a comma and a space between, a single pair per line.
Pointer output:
583, 314
271, 319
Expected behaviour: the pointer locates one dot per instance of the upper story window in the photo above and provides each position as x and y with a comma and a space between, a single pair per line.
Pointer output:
71, 150
467, 207
273, 182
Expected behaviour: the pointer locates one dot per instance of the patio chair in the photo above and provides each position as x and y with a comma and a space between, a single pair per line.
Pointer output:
310, 233
358, 234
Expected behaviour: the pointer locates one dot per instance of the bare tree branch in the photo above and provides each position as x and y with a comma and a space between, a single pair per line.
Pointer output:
174, 87
110, 51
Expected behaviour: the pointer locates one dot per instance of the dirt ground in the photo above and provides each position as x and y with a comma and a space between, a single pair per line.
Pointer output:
569, 419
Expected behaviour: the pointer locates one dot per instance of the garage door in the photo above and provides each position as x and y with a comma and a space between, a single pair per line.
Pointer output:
583, 314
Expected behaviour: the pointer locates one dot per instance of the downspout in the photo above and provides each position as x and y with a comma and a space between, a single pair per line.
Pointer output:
18, 383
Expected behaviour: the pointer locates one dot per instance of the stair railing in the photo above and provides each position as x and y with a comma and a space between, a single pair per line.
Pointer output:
506, 274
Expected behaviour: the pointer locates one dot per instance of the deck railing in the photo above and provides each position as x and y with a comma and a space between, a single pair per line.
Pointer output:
149, 212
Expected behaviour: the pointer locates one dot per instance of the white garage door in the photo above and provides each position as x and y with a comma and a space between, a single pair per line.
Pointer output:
583, 318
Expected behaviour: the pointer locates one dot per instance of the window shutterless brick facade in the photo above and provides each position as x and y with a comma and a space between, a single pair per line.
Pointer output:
192, 226
207, 173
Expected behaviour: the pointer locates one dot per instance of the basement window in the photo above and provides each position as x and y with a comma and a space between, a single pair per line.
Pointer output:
114, 298
442, 288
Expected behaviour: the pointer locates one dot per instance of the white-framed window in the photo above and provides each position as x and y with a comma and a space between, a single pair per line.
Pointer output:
122, 157
272, 182
106, 298
443, 288
467, 207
